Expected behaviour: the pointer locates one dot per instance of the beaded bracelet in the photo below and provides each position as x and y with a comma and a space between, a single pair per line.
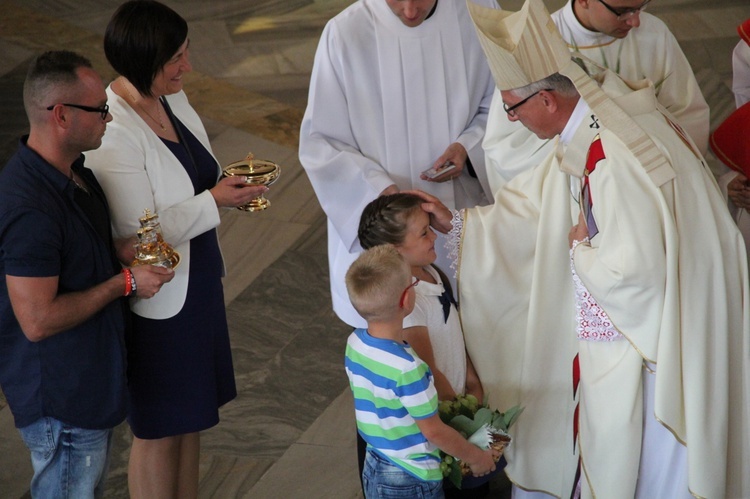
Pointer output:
127, 274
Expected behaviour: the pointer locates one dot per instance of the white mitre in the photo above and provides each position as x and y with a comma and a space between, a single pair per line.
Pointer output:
521, 47
525, 46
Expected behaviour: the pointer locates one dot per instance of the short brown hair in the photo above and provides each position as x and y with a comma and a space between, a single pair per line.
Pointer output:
49, 72
384, 220
141, 37
375, 282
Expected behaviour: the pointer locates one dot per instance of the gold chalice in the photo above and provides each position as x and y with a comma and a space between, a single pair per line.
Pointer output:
151, 249
257, 172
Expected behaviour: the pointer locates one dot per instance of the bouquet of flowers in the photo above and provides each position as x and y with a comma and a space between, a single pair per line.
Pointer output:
480, 425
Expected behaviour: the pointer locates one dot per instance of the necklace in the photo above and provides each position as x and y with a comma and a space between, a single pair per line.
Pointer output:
79, 186
138, 103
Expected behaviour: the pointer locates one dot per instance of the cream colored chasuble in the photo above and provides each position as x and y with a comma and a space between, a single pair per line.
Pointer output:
668, 266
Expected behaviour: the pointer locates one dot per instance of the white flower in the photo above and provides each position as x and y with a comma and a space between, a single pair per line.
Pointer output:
482, 438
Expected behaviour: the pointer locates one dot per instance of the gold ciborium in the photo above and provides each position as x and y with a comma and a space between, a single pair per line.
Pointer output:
151, 249
257, 172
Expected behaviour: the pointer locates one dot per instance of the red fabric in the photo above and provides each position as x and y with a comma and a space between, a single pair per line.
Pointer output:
576, 381
595, 154
731, 140
744, 31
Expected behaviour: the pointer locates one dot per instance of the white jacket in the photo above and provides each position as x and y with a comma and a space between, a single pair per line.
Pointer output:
137, 171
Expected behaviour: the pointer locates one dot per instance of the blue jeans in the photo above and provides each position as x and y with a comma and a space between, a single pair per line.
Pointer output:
382, 479
68, 462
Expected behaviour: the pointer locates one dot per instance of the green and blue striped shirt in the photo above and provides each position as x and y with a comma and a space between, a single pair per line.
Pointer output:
393, 388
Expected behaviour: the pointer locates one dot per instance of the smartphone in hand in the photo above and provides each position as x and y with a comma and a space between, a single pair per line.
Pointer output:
433, 172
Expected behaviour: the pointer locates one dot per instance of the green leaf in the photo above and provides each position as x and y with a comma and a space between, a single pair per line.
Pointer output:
511, 415
498, 421
465, 411
483, 417
455, 476
465, 425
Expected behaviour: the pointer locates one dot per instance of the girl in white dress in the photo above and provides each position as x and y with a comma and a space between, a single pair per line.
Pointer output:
433, 329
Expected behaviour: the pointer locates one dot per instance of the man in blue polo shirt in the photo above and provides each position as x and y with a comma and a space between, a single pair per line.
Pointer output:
62, 320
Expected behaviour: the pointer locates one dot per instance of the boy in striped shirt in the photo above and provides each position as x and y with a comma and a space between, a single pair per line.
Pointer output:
395, 400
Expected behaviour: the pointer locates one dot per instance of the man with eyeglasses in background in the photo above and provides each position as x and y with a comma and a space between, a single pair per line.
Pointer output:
620, 36
62, 312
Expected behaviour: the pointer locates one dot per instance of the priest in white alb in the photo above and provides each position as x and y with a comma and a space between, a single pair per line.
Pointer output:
397, 87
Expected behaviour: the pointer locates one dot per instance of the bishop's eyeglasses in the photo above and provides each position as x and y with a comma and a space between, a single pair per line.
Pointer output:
511, 111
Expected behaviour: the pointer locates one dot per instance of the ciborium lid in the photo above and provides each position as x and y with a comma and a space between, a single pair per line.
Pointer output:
257, 171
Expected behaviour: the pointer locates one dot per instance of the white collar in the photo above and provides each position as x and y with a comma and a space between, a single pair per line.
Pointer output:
427, 288
385, 18
576, 35
576, 118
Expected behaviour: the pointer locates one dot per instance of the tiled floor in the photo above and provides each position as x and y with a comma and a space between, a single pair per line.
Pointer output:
290, 432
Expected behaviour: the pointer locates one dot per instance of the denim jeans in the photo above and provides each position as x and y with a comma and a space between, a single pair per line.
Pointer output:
382, 479
68, 462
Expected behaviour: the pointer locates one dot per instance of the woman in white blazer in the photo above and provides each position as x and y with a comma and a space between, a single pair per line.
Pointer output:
156, 155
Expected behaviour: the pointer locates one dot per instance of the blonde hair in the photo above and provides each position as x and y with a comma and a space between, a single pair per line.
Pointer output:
375, 282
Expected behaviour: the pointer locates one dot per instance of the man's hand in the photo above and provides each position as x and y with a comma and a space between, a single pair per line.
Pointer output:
738, 191
578, 232
149, 279
42, 312
440, 216
456, 154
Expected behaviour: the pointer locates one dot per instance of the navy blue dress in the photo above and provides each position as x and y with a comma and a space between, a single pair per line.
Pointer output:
180, 369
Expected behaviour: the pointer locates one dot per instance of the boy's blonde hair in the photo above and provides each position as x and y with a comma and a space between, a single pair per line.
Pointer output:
375, 282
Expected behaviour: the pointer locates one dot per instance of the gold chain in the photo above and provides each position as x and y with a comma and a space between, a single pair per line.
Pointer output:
158, 108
